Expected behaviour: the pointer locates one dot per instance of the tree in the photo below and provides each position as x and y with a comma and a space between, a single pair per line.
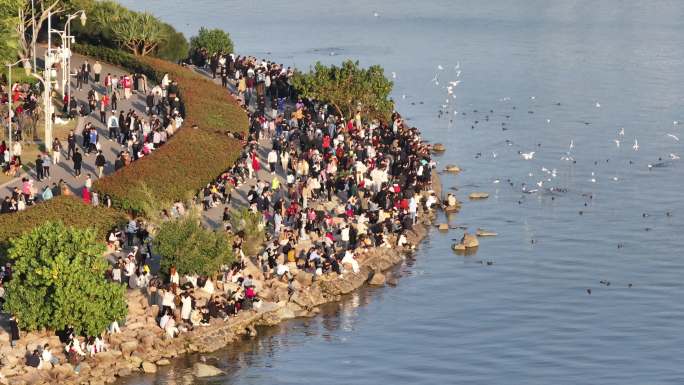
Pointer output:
348, 88
174, 46
59, 280
140, 33
9, 39
43, 8
251, 225
213, 40
184, 243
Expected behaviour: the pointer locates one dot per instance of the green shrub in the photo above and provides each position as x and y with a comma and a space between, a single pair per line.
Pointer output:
174, 47
190, 160
67, 209
59, 281
184, 243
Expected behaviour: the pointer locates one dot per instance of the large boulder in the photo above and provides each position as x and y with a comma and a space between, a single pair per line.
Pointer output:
443, 227
203, 370
438, 147
485, 233
128, 347
478, 195
378, 279
470, 241
163, 362
452, 168
149, 367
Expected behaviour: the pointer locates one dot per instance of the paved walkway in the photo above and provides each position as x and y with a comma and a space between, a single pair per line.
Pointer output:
110, 149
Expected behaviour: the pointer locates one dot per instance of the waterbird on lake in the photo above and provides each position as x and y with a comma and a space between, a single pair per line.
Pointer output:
394, 75
674, 156
598, 105
636, 145
673, 137
376, 14
621, 132
589, 291
527, 155
439, 67
617, 143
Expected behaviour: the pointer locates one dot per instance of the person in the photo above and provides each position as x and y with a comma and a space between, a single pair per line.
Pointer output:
46, 165
34, 359
86, 195
100, 163
113, 125
272, 160
78, 160
97, 70
14, 331
56, 151
71, 144
47, 193
131, 230
39, 167
47, 356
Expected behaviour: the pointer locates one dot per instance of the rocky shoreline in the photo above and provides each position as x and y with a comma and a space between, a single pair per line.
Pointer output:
141, 346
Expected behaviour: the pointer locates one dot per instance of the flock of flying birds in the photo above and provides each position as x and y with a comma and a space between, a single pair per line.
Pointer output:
448, 111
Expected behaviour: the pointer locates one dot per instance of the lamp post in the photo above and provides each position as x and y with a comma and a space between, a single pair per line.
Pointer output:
10, 112
69, 39
33, 34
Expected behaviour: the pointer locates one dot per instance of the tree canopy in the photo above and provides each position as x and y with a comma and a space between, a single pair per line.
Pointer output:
213, 40
184, 243
9, 38
59, 280
348, 88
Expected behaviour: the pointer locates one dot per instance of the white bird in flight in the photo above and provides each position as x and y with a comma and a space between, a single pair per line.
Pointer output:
621, 132
376, 14
458, 65
636, 145
454, 83
598, 105
527, 155
394, 75
674, 157
439, 67
673, 137
617, 143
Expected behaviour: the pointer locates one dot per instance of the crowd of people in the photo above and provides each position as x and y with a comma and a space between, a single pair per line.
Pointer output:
136, 133
333, 186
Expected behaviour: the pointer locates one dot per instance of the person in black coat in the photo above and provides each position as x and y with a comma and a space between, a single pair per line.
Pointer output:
78, 161
14, 330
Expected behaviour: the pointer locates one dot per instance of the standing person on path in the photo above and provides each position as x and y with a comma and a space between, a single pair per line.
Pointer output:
78, 159
115, 99
272, 160
113, 125
88, 182
86, 72
108, 83
39, 167
46, 165
56, 151
100, 162
97, 69
104, 103
71, 144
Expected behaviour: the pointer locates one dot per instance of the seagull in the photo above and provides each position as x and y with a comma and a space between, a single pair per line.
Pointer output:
636, 145
572, 144
598, 105
621, 132
376, 14
527, 155
675, 122
617, 143
673, 137
458, 65
615, 178
394, 75
454, 83
439, 67
458, 73
540, 183
674, 157
548, 120
403, 96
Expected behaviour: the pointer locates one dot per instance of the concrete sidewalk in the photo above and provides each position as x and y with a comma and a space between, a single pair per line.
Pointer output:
110, 149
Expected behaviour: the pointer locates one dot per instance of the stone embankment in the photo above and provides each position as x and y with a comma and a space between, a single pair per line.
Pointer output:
142, 346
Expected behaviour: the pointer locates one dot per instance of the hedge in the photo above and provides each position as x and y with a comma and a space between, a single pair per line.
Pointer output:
185, 164
69, 210
192, 157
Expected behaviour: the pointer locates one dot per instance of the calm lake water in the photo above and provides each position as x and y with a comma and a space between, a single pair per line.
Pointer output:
553, 72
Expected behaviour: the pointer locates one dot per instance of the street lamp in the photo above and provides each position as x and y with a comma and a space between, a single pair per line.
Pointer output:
70, 39
10, 111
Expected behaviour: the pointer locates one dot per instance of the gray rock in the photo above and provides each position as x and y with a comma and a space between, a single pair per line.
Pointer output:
203, 370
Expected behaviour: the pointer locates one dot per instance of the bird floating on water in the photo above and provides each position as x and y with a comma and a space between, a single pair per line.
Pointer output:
621, 132
394, 75
636, 145
439, 67
527, 155
674, 156
598, 105
376, 14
